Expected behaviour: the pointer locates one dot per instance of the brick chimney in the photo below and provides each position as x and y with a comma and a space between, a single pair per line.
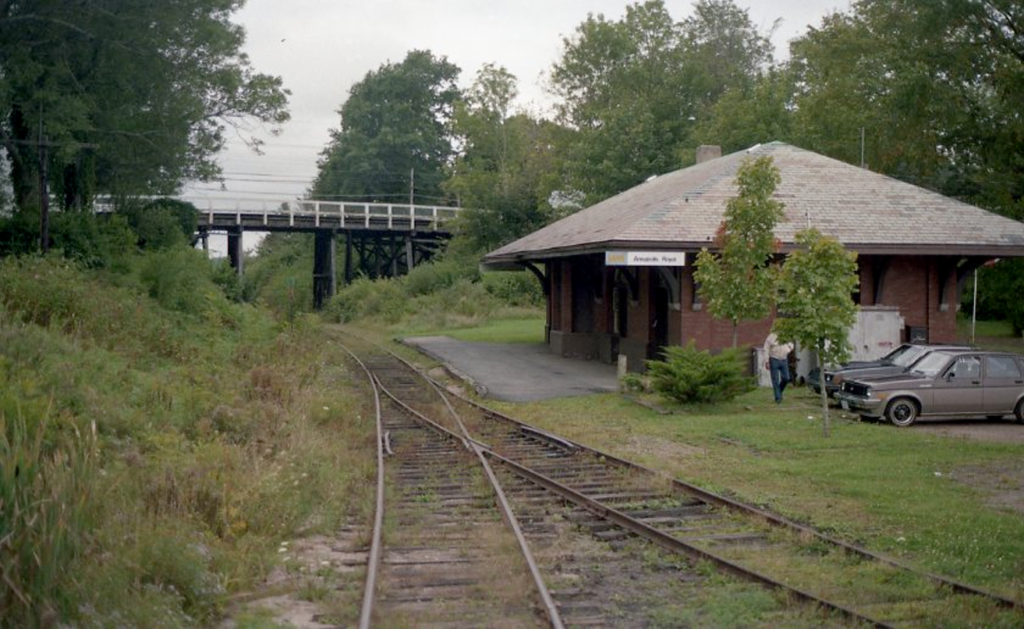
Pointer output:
706, 152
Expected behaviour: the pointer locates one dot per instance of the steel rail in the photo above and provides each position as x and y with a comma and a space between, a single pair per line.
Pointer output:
373, 563
550, 608
711, 498
674, 544
609, 513
736, 505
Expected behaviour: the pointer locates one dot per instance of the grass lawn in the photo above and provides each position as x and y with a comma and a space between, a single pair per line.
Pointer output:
993, 335
518, 330
893, 490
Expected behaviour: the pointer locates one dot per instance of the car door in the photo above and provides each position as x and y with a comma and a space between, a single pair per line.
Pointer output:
1003, 383
958, 389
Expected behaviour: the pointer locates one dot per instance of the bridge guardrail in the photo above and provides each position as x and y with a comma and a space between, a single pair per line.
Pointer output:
340, 213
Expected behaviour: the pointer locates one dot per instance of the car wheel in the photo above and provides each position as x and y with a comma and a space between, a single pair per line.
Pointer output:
1019, 412
902, 412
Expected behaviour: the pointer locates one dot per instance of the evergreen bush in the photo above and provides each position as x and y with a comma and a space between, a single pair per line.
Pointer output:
689, 376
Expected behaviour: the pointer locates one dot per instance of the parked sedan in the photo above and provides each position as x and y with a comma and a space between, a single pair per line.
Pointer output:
897, 361
944, 383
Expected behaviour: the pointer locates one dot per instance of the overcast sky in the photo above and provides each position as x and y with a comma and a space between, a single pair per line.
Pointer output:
321, 48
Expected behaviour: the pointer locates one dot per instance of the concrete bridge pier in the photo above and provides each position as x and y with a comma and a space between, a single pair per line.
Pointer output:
324, 267
235, 252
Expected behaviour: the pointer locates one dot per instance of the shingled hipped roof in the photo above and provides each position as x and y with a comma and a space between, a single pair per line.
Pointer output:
868, 212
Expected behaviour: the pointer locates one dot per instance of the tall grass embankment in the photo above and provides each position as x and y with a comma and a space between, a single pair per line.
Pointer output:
158, 441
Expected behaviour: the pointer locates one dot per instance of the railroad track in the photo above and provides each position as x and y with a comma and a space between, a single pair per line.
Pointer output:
617, 502
444, 562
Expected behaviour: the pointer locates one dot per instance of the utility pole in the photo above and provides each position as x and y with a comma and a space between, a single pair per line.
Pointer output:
862, 147
42, 144
412, 187
44, 196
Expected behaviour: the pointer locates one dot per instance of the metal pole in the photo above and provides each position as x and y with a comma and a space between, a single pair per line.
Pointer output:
44, 199
412, 188
974, 306
862, 147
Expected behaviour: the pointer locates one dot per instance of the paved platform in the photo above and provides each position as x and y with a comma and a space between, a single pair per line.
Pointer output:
518, 372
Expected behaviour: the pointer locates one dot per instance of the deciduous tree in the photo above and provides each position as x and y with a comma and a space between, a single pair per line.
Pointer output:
936, 85
506, 169
151, 88
633, 89
738, 282
816, 307
395, 131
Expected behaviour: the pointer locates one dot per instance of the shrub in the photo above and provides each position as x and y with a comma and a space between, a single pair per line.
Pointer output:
461, 304
687, 375
288, 293
514, 289
178, 278
382, 299
161, 223
437, 275
92, 241
633, 383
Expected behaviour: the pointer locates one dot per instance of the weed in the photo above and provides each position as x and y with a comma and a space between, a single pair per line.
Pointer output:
45, 511
210, 445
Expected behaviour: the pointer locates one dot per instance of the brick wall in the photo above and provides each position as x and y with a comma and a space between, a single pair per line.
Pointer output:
565, 313
911, 284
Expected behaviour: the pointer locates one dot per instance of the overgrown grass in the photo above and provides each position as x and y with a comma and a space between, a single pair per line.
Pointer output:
528, 328
441, 295
157, 442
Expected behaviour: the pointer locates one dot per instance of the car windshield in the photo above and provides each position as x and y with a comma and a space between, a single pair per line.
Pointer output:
907, 357
931, 364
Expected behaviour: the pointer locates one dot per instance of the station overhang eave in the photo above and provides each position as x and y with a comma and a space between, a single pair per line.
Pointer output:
516, 261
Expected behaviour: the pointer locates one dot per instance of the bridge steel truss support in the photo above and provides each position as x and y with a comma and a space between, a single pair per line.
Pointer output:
236, 254
376, 254
324, 275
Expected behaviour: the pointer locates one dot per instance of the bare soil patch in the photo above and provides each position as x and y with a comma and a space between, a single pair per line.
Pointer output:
297, 592
998, 431
1004, 483
662, 449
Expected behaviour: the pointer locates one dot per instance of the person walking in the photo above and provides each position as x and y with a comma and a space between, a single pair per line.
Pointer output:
778, 364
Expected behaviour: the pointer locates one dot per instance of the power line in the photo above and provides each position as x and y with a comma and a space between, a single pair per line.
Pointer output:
339, 197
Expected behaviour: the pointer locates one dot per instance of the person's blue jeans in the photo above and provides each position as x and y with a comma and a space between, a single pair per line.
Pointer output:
780, 376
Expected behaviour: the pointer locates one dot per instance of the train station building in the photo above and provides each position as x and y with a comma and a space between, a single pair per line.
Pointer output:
618, 276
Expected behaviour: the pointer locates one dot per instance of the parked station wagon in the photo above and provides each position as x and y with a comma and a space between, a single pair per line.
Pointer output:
897, 361
944, 383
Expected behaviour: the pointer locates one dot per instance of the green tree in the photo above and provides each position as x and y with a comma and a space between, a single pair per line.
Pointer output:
999, 289
816, 307
936, 87
749, 115
395, 131
632, 89
132, 97
738, 283
506, 169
